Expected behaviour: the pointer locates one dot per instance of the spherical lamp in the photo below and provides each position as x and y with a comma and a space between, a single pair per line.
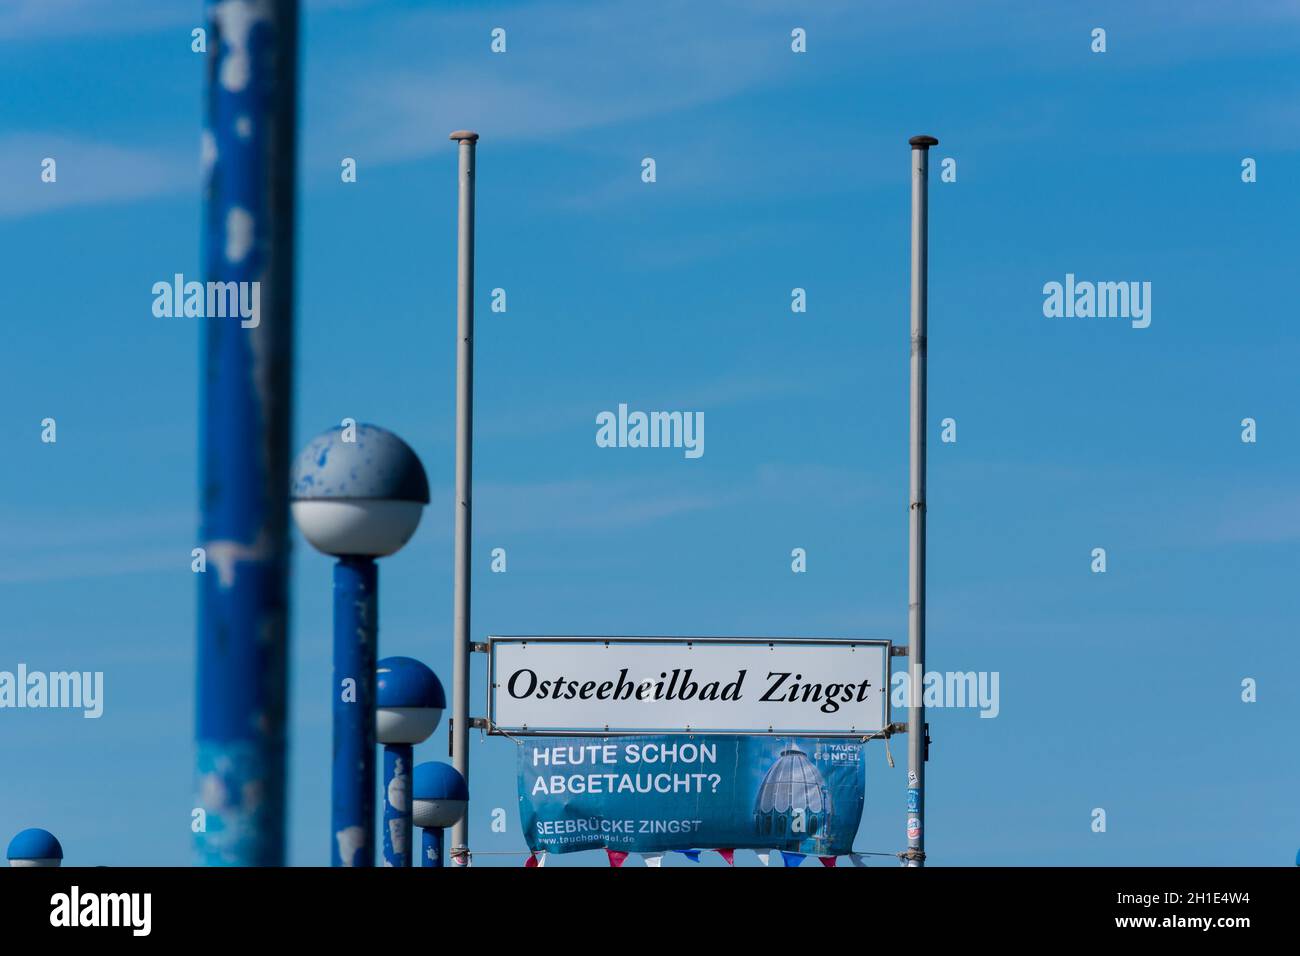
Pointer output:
440, 800
35, 847
358, 490
357, 493
409, 702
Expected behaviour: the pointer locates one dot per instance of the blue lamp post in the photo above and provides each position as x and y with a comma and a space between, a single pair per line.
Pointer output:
357, 493
410, 702
440, 800
249, 182
35, 847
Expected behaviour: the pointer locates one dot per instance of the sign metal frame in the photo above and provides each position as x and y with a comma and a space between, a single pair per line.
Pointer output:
524, 731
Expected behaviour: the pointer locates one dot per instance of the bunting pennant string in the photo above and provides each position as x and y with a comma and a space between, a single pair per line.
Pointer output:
537, 858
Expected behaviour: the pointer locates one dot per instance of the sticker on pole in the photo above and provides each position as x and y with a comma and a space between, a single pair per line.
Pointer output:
624, 685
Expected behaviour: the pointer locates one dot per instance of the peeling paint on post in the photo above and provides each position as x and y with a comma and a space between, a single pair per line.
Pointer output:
248, 167
431, 846
397, 804
356, 608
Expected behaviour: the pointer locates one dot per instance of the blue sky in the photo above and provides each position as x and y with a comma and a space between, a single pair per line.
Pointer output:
775, 171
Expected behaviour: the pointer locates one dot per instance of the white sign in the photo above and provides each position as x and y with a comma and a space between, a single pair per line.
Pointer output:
610, 685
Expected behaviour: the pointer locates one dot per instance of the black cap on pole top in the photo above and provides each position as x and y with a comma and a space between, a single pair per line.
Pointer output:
923, 142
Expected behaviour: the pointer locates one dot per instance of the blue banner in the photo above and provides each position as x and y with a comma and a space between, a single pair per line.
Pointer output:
648, 794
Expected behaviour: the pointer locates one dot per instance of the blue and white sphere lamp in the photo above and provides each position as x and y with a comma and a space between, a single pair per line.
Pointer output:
357, 493
440, 800
35, 847
409, 705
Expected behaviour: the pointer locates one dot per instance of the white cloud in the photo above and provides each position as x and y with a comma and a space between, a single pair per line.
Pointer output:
570, 68
88, 172
39, 19
44, 19
65, 546
1262, 517
604, 504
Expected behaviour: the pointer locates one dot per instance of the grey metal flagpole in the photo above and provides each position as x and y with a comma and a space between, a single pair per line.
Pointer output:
917, 738
464, 463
